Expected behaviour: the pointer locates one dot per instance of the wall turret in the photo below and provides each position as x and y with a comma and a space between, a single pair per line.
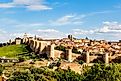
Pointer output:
69, 54
52, 46
106, 58
87, 57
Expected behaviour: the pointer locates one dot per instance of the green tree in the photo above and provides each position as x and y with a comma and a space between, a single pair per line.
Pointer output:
67, 75
1, 69
44, 74
74, 50
100, 72
21, 59
21, 76
61, 48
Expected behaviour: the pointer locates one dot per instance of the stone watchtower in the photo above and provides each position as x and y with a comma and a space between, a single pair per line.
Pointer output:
25, 38
37, 46
52, 54
69, 53
106, 58
70, 37
87, 57
18, 40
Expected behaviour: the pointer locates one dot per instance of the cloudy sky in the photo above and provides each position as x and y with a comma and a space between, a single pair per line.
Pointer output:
95, 19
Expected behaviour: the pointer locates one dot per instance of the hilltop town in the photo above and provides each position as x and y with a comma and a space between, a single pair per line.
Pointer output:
73, 49
66, 53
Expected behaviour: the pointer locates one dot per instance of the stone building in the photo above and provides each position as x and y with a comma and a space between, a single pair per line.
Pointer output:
18, 40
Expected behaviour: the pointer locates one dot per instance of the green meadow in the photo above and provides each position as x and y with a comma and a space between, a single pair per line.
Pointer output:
12, 51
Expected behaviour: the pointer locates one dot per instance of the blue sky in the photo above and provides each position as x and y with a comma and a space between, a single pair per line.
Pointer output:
95, 19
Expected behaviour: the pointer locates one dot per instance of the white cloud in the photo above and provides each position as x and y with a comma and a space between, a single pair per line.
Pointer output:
67, 19
38, 7
64, 19
82, 32
96, 13
42, 33
109, 31
47, 30
27, 25
49, 33
14, 35
17, 29
2, 31
28, 4
6, 5
99, 12
110, 27
3, 36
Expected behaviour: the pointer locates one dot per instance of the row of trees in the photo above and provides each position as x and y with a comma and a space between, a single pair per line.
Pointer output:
6, 44
43, 74
3, 44
98, 72
102, 72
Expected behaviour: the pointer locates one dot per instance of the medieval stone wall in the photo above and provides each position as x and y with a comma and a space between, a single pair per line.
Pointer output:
47, 47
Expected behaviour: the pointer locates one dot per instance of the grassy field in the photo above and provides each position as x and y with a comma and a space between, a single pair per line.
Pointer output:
12, 50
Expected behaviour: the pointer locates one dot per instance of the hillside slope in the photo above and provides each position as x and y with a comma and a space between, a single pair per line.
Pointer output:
12, 50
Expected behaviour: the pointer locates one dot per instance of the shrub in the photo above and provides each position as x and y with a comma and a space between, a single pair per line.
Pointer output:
21, 59
1, 69
81, 62
61, 48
